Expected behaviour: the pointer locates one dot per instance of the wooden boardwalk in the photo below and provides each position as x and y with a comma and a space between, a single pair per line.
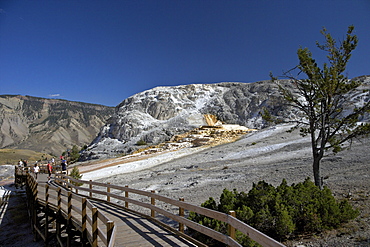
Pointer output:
132, 229
86, 215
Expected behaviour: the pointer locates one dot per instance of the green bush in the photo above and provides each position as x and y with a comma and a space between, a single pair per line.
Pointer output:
75, 173
74, 154
141, 143
282, 212
208, 222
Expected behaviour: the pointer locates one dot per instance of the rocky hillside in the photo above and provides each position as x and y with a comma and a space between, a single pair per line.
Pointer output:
48, 125
158, 114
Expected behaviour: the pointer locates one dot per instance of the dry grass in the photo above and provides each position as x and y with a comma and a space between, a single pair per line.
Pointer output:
12, 156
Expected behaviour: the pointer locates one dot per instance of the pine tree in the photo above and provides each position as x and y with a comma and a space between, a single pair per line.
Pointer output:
320, 97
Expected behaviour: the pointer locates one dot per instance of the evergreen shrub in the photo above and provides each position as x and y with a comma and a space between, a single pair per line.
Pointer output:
74, 154
281, 213
75, 173
141, 143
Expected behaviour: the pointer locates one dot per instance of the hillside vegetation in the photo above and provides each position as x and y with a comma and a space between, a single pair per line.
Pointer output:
48, 125
12, 156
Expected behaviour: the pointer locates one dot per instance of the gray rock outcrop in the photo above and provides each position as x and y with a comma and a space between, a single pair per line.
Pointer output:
156, 115
48, 125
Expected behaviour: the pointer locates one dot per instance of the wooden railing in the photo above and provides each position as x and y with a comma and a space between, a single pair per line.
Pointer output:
20, 175
149, 201
82, 214
56, 167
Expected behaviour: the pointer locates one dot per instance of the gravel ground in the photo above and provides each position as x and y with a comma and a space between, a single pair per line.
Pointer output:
268, 155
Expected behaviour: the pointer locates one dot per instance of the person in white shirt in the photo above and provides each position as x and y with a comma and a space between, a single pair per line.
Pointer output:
36, 170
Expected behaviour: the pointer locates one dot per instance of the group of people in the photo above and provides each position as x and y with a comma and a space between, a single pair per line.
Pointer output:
22, 163
36, 169
49, 166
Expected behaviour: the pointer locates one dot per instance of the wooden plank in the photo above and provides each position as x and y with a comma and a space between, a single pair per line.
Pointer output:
77, 209
254, 234
102, 236
103, 217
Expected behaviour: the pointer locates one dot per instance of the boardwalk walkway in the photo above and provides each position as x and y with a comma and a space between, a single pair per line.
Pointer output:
132, 230
86, 215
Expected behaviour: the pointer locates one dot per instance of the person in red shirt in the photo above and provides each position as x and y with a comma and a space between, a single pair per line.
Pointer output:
50, 169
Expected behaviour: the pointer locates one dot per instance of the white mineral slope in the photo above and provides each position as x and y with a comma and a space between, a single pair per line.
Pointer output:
255, 148
134, 166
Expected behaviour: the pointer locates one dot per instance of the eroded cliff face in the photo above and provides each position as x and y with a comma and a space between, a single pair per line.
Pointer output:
156, 115
48, 125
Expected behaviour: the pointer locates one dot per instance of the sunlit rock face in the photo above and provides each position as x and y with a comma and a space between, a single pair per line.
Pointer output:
49, 125
156, 115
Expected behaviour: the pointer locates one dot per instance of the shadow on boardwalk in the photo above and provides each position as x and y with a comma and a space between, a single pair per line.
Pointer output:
140, 231
14, 221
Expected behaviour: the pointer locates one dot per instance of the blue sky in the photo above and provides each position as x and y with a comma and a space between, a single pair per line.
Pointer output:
105, 51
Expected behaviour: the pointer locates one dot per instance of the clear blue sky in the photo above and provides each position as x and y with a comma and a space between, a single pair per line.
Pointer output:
105, 51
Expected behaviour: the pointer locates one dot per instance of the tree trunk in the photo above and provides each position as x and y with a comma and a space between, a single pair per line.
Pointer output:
316, 171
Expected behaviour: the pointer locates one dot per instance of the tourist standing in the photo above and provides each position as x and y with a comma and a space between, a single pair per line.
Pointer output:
64, 166
36, 170
50, 169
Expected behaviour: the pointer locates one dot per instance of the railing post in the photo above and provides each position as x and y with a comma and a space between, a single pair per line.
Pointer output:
69, 205
16, 175
46, 214
90, 187
108, 191
59, 207
230, 229
47, 194
69, 218
126, 195
152, 201
59, 199
181, 214
34, 193
84, 218
110, 225
94, 226
34, 188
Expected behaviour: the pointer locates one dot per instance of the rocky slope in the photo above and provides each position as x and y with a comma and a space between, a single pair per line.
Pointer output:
156, 115
271, 154
48, 125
